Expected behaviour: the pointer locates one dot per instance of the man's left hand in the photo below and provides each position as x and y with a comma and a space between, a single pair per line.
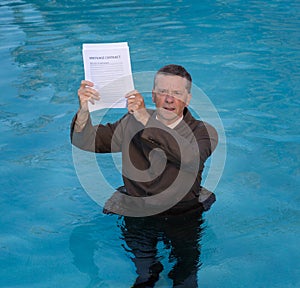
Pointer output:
136, 106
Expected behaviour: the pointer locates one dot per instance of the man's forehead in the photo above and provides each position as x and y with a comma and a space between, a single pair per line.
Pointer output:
171, 81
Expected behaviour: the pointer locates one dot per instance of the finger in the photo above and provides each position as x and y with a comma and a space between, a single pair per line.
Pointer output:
91, 91
130, 101
133, 107
92, 96
131, 111
91, 100
131, 94
85, 83
130, 107
88, 92
88, 99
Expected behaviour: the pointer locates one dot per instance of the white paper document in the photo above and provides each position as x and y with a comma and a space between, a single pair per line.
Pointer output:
108, 67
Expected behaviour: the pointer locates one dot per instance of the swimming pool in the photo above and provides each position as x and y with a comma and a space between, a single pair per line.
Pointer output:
243, 54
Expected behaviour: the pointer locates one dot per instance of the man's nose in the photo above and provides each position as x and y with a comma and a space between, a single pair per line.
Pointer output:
169, 98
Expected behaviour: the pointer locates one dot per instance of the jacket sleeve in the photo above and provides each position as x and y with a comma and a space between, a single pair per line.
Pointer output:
99, 138
207, 139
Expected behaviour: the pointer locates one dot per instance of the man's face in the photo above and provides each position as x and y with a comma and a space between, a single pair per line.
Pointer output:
170, 96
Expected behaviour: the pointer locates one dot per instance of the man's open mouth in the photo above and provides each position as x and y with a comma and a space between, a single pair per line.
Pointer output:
169, 109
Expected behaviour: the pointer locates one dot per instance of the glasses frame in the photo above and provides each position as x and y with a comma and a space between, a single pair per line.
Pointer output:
176, 94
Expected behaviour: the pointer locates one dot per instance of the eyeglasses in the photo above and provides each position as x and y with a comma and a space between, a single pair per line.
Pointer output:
165, 93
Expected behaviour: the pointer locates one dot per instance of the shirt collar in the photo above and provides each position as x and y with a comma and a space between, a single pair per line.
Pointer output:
174, 124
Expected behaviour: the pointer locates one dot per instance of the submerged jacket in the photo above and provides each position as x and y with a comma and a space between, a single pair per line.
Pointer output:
156, 160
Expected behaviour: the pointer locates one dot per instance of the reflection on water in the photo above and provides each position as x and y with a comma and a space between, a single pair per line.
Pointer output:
84, 242
146, 241
243, 54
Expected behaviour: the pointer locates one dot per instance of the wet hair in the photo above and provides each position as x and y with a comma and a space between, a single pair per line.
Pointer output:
177, 70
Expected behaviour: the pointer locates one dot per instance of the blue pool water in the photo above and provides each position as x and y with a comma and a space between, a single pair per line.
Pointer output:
243, 54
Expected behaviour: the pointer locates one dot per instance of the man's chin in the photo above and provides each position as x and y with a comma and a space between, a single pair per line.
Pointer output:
167, 115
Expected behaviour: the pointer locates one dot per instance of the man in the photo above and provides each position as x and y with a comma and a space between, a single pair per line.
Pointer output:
163, 156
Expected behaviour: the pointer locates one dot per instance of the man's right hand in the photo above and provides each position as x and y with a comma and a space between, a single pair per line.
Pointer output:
87, 93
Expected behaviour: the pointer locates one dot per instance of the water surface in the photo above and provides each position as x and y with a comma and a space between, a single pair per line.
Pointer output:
244, 55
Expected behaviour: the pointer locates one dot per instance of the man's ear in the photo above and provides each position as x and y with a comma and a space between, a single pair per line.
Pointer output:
188, 99
153, 97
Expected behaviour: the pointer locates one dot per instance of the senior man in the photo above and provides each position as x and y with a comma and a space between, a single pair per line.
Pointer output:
163, 156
